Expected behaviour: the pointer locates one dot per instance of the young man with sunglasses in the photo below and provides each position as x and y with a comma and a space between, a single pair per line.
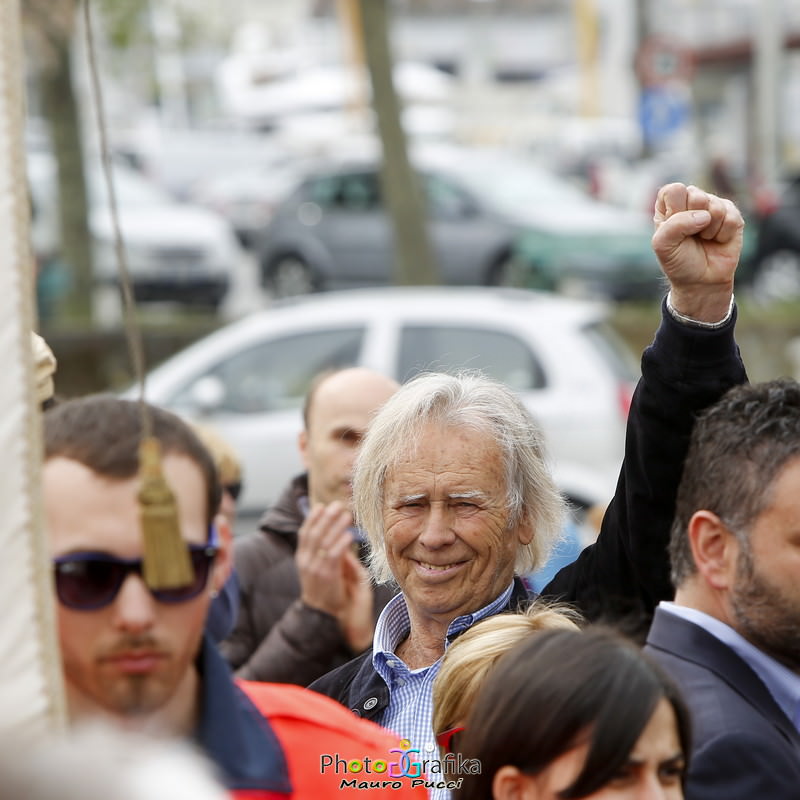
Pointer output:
138, 656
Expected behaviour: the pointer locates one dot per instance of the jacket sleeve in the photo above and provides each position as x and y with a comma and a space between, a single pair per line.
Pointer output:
301, 645
626, 572
740, 765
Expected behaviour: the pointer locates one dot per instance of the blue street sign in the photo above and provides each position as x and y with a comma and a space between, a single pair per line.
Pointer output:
663, 111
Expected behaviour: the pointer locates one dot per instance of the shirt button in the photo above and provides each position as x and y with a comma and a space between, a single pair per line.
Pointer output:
400, 682
393, 664
371, 703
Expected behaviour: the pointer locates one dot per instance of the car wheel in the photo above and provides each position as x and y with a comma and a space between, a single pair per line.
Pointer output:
777, 277
290, 276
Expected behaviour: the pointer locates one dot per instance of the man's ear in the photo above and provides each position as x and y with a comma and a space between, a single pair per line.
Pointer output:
511, 784
715, 549
302, 446
523, 529
223, 563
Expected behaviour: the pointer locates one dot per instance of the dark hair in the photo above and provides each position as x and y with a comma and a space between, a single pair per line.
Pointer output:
737, 448
557, 689
103, 433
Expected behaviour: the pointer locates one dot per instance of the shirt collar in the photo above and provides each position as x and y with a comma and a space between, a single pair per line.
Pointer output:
234, 734
782, 683
394, 623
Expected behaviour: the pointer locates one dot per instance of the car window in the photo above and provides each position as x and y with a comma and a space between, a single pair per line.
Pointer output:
275, 375
351, 192
613, 351
441, 348
446, 200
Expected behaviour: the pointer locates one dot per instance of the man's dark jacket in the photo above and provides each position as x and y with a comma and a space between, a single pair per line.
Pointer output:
277, 638
626, 572
743, 745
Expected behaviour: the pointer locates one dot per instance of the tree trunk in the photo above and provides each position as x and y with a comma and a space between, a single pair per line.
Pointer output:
402, 193
60, 108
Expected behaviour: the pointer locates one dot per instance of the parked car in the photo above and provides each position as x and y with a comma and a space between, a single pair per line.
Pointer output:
175, 251
248, 379
247, 196
494, 219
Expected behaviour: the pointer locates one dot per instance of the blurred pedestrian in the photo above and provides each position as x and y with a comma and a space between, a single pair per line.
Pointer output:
307, 604
580, 715
100, 761
731, 639
229, 469
224, 608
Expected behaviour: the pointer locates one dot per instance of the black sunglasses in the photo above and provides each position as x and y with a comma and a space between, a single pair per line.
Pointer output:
90, 580
233, 489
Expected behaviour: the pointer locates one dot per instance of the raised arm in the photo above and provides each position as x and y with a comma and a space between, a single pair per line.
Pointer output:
692, 361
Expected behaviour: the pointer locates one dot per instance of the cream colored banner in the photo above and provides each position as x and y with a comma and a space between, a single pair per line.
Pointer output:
31, 693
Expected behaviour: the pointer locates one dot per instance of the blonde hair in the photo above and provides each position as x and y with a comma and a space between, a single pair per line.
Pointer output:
226, 460
469, 659
467, 400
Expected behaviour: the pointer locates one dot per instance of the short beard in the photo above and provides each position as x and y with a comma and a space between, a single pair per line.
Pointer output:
764, 615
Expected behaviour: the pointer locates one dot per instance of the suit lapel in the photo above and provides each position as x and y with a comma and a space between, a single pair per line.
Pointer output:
689, 642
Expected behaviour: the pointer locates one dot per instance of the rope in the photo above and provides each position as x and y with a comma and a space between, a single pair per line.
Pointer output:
166, 556
133, 334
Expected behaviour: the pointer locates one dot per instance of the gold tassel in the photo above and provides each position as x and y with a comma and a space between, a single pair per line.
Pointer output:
166, 555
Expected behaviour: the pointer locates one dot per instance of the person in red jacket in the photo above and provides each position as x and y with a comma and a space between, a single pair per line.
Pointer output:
138, 656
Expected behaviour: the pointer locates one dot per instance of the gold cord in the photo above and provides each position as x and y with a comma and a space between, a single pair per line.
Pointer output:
166, 556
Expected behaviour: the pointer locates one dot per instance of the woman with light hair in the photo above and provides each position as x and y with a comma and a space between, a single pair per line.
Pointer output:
469, 659
229, 468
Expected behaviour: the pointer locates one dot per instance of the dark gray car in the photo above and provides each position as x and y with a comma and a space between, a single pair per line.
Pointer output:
333, 232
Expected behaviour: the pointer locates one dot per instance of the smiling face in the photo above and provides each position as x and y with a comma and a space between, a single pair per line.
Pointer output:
134, 658
446, 525
653, 769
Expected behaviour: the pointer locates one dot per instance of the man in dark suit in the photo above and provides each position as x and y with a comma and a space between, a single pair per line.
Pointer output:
731, 639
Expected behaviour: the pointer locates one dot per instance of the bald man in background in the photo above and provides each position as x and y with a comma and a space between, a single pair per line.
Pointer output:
307, 602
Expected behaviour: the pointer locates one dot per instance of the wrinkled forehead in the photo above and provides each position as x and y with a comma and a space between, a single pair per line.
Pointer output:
466, 450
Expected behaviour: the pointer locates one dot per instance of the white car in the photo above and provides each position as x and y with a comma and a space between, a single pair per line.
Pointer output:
248, 380
175, 251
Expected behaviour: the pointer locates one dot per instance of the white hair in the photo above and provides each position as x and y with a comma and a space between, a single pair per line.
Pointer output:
466, 400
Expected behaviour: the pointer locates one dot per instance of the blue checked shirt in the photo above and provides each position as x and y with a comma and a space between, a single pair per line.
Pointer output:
410, 710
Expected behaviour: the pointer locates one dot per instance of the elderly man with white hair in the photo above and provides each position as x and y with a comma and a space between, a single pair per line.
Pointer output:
453, 488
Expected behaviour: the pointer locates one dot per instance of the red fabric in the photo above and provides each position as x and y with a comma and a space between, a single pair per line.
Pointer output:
309, 726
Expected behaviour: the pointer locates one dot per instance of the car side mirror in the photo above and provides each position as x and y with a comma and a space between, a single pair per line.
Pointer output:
208, 394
